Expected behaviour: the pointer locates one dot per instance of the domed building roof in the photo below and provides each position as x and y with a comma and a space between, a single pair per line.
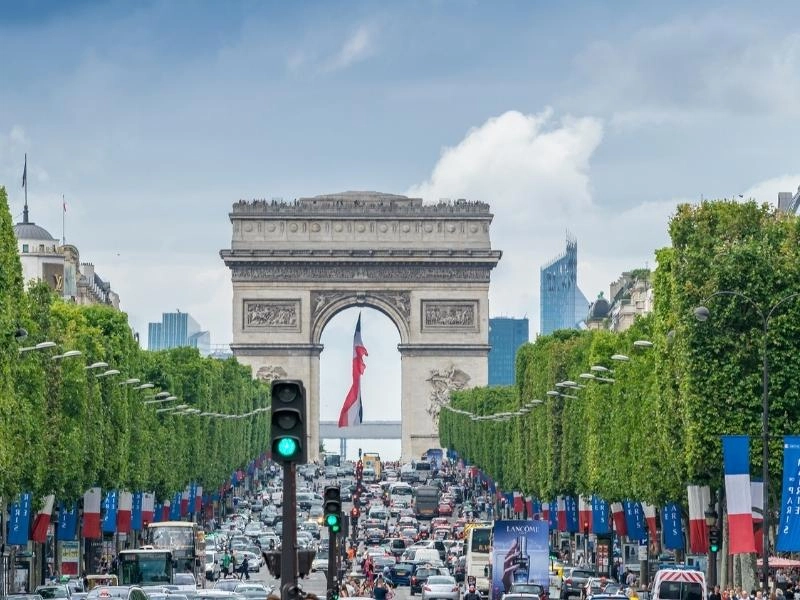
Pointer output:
599, 308
31, 231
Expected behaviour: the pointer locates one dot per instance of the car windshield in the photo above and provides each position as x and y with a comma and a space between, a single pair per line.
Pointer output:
52, 592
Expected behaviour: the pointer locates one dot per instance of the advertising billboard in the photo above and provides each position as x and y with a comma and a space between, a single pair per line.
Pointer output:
520, 555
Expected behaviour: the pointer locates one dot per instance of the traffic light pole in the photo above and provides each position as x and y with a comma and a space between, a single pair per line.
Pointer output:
289, 589
332, 554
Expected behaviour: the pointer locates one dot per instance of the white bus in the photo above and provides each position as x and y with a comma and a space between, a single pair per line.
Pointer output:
478, 556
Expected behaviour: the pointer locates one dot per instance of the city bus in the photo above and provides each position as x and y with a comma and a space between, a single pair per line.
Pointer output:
372, 460
477, 549
332, 460
186, 542
145, 566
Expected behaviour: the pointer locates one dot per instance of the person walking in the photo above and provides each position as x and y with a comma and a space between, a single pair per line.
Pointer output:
226, 564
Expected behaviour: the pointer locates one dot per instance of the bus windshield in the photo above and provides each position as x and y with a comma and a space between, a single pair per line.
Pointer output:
480, 539
170, 537
145, 568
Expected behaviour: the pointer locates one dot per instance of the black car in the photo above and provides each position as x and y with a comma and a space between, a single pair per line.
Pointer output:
420, 577
374, 537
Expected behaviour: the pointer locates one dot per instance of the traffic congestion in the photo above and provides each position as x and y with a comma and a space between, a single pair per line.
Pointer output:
424, 528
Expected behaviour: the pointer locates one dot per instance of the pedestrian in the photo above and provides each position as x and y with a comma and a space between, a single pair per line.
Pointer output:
472, 594
226, 563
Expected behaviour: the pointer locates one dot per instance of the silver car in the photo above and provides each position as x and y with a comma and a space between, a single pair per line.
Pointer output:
441, 587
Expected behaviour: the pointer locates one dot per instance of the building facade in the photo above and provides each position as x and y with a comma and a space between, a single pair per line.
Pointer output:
630, 296
59, 266
177, 330
562, 304
506, 335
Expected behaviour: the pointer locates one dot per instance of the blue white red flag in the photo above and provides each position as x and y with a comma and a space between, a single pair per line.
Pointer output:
736, 460
352, 412
42, 521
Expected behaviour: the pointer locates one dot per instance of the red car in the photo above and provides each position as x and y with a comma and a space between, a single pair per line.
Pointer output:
445, 510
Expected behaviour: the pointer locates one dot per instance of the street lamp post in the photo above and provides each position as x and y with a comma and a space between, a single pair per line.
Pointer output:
711, 517
702, 313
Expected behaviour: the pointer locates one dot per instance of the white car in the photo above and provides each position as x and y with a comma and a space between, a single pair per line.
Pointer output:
320, 562
185, 582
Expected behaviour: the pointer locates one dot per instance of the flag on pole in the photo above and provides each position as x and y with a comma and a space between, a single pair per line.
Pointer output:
42, 520
352, 412
91, 513
736, 460
562, 513
519, 503
25, 173
757, 497
618, 517
650, 518
148, 508
699, 499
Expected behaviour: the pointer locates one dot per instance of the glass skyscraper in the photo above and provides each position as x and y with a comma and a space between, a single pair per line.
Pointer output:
176, 330
563, 305
506, 335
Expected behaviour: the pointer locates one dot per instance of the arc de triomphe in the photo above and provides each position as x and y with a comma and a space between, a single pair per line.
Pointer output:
294, 265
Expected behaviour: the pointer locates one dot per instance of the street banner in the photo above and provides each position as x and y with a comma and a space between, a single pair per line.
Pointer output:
585, 513
158, 512
789, 524
110, 512
124, 512
91, 513
571, 507
67, 521
671, 526
198, 498
148, 508
19, 522
757, 497
634, 520
562, 513
600, 516
175, 507
736, 460
552, 515
699, 499
42, 521
521, 554
649, 511
136, 511
519, 503
618, 515
184, 502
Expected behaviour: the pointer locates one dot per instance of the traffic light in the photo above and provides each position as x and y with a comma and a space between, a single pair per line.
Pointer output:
288, 433
355, 512
714, 539
333, 508
586, 527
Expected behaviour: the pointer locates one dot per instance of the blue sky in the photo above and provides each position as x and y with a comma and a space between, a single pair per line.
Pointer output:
153, 117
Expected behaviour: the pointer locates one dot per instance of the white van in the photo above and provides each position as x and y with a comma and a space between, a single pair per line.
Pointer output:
679, 584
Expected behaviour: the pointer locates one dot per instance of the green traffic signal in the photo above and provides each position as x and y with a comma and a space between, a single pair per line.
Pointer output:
714, 548
286, 447
332, 520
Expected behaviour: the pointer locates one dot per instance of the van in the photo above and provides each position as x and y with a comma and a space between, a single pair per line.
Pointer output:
679, 584
427, 555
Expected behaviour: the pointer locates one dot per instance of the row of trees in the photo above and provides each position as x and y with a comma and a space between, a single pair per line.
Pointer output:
63, 430
657, 427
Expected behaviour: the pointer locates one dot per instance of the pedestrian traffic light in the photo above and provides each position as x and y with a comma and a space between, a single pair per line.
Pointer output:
713, 539
288, 432
333, 508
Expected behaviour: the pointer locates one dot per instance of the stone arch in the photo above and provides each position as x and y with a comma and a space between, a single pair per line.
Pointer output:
294, 265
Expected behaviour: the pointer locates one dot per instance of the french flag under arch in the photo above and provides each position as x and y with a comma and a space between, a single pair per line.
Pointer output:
736, 459
352, 412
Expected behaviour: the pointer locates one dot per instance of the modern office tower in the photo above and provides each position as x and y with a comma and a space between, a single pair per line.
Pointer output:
176, 330
506, 335
563, 305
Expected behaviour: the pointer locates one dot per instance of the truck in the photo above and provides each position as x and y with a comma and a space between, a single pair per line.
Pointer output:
426, 502
372, 460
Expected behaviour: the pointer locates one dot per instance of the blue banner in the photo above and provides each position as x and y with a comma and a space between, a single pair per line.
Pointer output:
634, 520
521, 553
19, 521
158, 512
553, 520
671, 526
110, 512
571, 509
600, 516
192, 494
234, 479
136, 511
175, 507
536, 509
789, 524
67, 522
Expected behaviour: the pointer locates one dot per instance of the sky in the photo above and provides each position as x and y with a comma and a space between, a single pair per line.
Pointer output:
152, 118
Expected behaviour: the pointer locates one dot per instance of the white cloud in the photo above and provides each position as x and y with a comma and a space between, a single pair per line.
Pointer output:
356, 48
767, 191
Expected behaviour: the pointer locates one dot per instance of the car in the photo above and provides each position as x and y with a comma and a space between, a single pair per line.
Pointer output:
253, 591
320, 562
253, 560
420, 576
23, 597
212, 565
121, 592
574, 581
184, 582
531, 589
226, 585
215, 594
441, 587
397, 546
400, 574
316, 514
374, 536
53, 591
519, 596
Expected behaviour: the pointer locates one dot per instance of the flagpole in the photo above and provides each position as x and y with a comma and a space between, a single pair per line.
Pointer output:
63, 220
25, 185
